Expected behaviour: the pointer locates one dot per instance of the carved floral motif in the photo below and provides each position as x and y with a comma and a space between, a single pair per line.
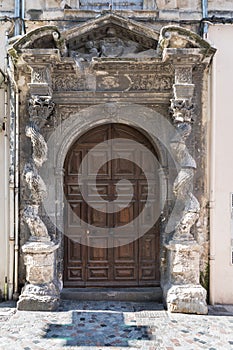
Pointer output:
68, 82
150, 82
39, 75
130, 82
182, 110
183, 75
40, 108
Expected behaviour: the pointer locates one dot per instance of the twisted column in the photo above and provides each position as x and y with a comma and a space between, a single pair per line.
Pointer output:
183, 184
42, 289
182, 116
182, 289
40, 108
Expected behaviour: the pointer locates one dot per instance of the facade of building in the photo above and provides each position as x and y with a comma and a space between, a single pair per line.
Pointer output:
115, 159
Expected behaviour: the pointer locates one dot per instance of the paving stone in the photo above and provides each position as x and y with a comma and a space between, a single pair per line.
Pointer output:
118, 326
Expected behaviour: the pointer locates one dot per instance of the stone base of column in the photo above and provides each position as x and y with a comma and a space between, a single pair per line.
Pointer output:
189, 299
182, 290
39, 298
42, 292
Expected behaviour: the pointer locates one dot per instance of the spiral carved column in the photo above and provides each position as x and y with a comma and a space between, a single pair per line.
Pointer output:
41, 292
183, 292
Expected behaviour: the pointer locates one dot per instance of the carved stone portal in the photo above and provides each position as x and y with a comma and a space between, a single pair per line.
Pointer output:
117, 60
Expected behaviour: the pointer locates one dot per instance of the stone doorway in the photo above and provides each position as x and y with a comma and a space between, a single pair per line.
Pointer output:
112, 70
95, 258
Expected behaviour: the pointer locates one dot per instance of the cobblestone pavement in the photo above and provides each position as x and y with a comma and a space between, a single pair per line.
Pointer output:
101, 325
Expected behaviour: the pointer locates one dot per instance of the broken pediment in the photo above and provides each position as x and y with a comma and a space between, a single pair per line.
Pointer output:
178, 37
106, 36
40, 38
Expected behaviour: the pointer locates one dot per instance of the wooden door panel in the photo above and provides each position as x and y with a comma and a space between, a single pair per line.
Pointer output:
98, 217
95, 257
97, 274
125, 217
98, 164
98, 255
125, 260
75, 214
149, 257
74, 162
125, 273
74, 191
75, 262
125, 252
148, 166
98, 260
95, 136
97, 191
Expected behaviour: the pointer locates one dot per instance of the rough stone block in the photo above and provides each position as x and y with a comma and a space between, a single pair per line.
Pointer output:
183, 263
187, 299
44, 297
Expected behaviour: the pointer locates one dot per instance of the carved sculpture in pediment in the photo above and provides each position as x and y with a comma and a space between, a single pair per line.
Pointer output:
90, 51
112, 46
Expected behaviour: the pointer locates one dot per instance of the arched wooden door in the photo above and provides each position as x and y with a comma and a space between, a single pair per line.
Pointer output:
131, 264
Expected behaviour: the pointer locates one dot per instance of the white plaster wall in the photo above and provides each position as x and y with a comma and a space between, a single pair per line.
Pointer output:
222, 96
3, 214
3, 253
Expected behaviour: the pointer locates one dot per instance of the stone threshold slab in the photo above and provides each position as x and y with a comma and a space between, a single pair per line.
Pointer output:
114, 294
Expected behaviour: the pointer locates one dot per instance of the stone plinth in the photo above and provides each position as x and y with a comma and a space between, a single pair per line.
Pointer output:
183, 292
190, 299
42, 292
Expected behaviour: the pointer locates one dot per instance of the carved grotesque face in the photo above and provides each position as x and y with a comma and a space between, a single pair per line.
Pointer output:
111, 32
89, 45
